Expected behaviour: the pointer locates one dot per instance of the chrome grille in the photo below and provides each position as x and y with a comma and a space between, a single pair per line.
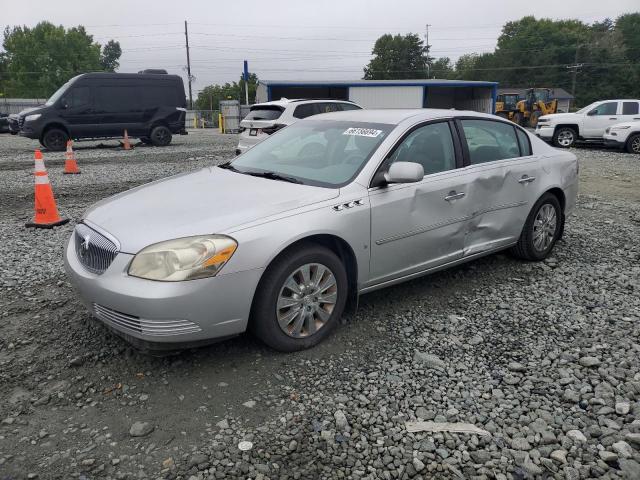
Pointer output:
94, 251
130, 323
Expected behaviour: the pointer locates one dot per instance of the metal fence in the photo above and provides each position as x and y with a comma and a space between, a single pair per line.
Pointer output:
16, 105
202, 118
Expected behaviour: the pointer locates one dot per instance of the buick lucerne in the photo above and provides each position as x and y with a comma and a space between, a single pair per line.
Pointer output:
285, 236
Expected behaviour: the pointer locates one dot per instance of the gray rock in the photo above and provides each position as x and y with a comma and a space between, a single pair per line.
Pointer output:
607, 456
633, 438
589, 362
559, 456
141, 429
630, 468
342, 424
520, 444
418, 465
249, 404
516, 367
223, 424
576, 436
428, 360
622, 408
623, 449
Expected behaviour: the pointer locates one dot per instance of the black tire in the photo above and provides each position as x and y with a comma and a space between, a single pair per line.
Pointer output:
145, 140
633, 144
264, 321
55, 140
564, 137
533, 118
160, 136
518, 118
526, 248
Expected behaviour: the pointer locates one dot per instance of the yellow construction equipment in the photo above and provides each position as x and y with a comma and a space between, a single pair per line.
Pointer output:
537, 102
506, 104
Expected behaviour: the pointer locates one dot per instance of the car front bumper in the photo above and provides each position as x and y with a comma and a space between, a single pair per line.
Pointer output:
164, 315
545, 132
612, 141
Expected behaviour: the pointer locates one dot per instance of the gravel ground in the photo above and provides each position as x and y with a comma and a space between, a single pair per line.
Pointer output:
543, 357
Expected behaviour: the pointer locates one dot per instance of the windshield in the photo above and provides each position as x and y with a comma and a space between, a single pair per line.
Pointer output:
588, 107
316, 152
54, 98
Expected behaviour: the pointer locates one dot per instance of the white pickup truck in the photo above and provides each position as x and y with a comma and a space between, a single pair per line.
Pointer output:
588, 123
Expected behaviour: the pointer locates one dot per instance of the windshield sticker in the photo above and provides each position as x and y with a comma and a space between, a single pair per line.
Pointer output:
362, 132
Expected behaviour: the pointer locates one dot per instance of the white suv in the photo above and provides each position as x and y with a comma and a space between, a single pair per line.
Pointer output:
588, 123
624, 135
269, 117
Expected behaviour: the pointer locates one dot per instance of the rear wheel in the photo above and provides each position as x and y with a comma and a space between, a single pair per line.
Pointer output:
564, 137
55, 139
160, 136
633, 143
542, 229
300, 298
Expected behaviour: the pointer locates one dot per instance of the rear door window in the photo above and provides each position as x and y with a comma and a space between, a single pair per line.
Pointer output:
525, 143
349, 106
264, 113
306, 110
629, 108
328, 107
489, 141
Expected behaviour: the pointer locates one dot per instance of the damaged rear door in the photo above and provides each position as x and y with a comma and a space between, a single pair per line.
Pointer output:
505, 185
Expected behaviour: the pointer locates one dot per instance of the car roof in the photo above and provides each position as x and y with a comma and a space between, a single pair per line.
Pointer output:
397, 116
283, 102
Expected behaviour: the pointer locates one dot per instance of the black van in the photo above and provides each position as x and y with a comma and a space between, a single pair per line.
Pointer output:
150, 106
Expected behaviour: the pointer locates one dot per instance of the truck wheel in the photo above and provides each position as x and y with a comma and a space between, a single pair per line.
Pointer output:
564, 137
300, 298
55, 139
633, 143
160, 136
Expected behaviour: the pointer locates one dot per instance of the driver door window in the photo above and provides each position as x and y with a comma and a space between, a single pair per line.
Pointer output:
609, 108
430, 145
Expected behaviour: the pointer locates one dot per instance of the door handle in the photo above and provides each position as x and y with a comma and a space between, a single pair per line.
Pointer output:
636, 118
454, 196
526, 179
613, 118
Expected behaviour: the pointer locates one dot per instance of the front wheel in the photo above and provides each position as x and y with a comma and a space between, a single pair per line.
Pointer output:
300, 298
542, 229
633, 144
55, 140
564, 137
160, 136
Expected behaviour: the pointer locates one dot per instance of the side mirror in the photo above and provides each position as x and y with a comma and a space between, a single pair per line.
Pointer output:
404, 172
591, 113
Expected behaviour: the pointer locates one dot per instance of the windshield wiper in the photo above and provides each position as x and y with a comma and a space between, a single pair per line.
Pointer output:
228, 166
274, 176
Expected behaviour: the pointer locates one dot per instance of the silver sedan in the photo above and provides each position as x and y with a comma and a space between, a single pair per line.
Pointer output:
284, 237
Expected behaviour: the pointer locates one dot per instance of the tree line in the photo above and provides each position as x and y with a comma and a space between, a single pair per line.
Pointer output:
530, 52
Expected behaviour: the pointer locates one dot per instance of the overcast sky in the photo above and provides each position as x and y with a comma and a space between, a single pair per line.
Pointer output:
289, 39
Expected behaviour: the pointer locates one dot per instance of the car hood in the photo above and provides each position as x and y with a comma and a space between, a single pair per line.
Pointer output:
554, 117
27, 111
211, 200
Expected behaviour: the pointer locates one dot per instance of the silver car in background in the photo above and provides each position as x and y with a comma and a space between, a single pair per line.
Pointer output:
285, 236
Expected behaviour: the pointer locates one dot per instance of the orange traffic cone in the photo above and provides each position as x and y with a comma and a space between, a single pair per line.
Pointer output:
127, 145
70, 164
46, 215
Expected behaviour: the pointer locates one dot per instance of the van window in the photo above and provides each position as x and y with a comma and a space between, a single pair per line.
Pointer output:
112, 99
78, 97
489, 140
154, 96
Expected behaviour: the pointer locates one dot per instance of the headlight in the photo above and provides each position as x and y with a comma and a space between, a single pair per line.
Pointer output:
184, 258
621, 127
31, 118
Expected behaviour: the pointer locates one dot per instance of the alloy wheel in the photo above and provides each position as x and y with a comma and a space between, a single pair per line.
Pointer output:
566, 138
306, 300
544, 227
635, 145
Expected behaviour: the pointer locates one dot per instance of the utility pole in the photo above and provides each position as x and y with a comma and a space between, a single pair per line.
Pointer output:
186, 36
575, 68
428, 47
